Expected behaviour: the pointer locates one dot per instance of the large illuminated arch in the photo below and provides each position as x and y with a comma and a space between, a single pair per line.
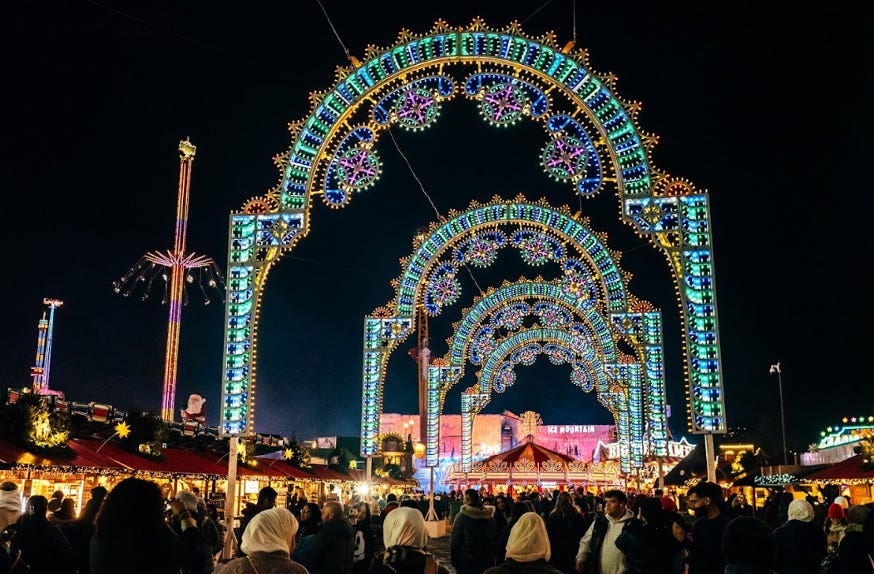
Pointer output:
540, 232
592, 142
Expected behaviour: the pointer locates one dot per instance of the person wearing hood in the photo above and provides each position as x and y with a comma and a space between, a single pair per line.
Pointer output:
10, 504
474, 536
267, 544
801, 544
528, 548
598, 553
405, 538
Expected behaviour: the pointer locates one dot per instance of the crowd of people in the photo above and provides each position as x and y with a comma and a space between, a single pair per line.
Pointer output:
134, 529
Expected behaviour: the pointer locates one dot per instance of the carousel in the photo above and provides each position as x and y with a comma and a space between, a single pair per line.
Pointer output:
533, 466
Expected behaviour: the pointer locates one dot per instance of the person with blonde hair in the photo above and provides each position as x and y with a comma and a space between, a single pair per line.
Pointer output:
267, 543
528, 549
405, 539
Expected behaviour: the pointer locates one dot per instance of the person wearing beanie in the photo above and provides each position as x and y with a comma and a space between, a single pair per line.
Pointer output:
801, 544
852, 557
209, 535
749, 547
834, 527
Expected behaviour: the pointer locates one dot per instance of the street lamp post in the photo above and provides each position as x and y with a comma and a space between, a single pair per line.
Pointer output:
779, 372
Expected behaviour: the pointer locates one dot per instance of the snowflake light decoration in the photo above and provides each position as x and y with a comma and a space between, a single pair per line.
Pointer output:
503, 104
357, 168
417, 109
565, 158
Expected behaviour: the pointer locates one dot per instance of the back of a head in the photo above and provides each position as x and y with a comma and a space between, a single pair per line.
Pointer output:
131, 499
521, 507
858, 514
391, 497
189, 499
749, 541
404, 527
271, 530
563, 505
267, 495
333, 510
800, 510
651, 511
528, 539
36, 508
98, 493
473, 497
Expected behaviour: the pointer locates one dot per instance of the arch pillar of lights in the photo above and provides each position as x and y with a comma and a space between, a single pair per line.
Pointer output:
333, 154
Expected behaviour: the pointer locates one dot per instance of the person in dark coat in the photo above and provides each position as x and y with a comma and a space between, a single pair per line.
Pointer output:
564, 527
150, 548
748, 546
365, 540
704, 545
42, 544
79, 531
647, 542
310, 521
473, 541
852, 556
801, 544
331, 550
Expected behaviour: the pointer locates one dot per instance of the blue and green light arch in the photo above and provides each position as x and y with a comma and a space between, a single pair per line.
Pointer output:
588, 346
592, 142
591, 276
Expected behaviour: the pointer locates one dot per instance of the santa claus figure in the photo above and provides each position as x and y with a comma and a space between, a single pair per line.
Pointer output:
195, 410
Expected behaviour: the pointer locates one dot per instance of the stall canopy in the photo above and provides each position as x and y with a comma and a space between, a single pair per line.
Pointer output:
531, 463
850, 470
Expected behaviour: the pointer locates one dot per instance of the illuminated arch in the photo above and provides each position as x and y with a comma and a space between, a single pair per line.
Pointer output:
619, 387
592, 142
592, 343
591, 276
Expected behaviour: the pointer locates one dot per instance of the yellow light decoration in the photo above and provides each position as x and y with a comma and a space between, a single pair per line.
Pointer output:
122, 429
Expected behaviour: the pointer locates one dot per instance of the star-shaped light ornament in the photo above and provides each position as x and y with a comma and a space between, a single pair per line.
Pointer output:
122, 429
288, 454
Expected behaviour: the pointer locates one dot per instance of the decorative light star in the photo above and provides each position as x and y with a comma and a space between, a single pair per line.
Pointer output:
122, 429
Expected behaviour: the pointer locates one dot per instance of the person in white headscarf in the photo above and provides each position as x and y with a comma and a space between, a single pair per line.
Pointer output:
268, 542
10, 504
801, 544
528, 549
405, 539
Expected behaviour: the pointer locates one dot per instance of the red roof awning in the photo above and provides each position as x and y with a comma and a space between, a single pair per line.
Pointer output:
849, 469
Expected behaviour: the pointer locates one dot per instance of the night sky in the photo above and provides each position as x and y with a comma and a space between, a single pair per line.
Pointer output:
764, 109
